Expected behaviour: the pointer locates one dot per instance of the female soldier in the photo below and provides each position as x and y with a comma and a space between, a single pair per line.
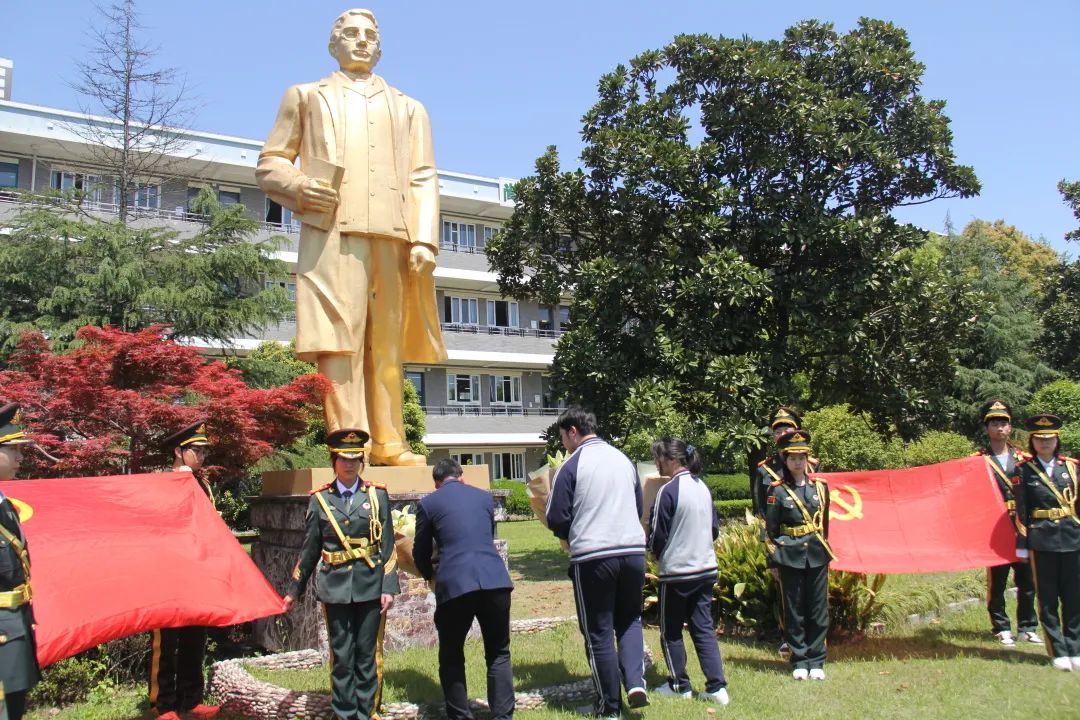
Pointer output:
797, 525
1048, 531
348, 527
682, 528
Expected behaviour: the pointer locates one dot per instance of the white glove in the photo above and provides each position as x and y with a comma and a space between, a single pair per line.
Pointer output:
1022, 554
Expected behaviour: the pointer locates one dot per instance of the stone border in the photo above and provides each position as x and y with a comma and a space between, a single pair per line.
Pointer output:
239, 692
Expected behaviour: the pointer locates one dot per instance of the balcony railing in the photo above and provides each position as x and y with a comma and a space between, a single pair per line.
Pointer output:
134, 211
497, 330
490, 410
461, 248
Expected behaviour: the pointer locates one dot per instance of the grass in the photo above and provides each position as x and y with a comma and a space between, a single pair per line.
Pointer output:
538, 568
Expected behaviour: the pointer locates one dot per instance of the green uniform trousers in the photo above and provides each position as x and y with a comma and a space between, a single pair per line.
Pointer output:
354, 633
805, 593
1057, 583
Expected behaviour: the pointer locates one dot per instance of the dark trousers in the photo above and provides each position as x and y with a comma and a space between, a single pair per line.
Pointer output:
690, 603
353, 633
805, 592
997, 578
1057, 583
176, 668
607, 593
15, 704
453, 618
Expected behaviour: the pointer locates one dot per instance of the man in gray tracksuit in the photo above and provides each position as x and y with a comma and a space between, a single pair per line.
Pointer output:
596, 505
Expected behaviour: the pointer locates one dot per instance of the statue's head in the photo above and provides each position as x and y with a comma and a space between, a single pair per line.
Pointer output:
354, 41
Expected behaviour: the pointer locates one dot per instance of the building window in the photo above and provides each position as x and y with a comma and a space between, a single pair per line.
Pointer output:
147, 197
458, 235
228, 197
564, 318
463, 311
490, 233
462, 388
91, 185
464, 459
505, 389
546, 319
502, 313
276, 214
9, 174
417, 380
510, 466
289, 287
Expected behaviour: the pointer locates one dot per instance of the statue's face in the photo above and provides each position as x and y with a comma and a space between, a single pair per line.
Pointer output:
356, 44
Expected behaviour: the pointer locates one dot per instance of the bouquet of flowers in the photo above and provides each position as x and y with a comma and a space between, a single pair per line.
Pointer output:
404, 532
538, 488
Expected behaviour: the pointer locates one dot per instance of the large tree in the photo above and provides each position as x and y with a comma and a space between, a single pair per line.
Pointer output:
62, 270
146, 107
1061, 303
731, 231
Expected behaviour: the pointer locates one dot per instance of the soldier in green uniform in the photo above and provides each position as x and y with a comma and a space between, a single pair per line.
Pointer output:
176, 661
1001, 460
349, 528
19, 669
1048, 532
797, 528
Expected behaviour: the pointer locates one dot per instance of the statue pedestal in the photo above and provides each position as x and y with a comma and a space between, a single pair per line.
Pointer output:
279, 517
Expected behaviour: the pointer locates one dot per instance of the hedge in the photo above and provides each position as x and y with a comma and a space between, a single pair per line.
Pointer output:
728, 487
517, 502
732, 508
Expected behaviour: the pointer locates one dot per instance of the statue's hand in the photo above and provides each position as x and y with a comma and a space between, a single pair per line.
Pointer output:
317, 196
421, 259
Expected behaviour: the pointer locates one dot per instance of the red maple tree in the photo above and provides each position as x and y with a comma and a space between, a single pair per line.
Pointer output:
104, 407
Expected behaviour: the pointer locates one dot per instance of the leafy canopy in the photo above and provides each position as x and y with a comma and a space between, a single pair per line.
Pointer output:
730, 231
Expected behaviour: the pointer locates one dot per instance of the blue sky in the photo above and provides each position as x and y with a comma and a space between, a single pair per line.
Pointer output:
503, 80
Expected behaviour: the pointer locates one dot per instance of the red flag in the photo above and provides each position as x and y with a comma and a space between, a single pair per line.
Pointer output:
113, 556
936, 518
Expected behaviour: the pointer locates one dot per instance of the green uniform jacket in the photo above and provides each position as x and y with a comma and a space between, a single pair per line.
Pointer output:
1032, 495
355, 580
1003, 478
781, 511
18, 648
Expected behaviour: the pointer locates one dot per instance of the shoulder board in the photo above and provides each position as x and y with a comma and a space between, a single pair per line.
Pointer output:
764, 461
813, 460
381, 486
320, 489
816, 479
776, 483
1024, 454
1066, 458
1023, 459
977, 453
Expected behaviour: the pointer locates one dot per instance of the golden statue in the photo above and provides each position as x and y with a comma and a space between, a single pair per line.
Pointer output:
367, 194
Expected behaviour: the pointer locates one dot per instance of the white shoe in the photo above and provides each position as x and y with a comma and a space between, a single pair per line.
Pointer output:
666, 691
636, 697
1031, 637
720, 696
800, 673
1005, 638
1062, 663
1075, 663
817, 673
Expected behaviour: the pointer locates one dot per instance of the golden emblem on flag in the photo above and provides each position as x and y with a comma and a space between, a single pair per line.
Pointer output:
849, 510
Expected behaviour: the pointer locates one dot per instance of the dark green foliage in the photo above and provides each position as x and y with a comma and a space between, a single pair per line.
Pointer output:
844, 440
854, 602
94, 673
935, 447
271, 364
517, 502
1061, 320
730, 231
746, 597
728, 487
415, 420
61, 269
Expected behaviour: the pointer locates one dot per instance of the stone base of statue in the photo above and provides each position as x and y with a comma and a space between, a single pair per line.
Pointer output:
278, 515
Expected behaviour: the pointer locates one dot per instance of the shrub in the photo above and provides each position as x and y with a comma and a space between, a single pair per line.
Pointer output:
844, 440
728, 487
1061, 397
95, 672
517, 502
935, 447
733, 508
854, 602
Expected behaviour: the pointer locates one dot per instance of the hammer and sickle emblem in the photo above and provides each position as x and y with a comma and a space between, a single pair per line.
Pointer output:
24, 510
850, 510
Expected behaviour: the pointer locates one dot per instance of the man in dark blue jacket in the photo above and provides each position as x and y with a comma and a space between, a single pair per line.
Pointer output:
472, 583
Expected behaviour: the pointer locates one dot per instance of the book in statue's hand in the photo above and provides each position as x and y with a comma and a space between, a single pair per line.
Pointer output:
330, 174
